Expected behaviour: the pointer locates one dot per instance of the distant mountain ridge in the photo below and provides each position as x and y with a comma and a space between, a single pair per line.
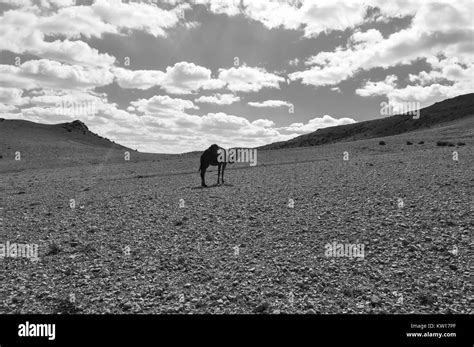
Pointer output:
60, 145
441, 112
20, 133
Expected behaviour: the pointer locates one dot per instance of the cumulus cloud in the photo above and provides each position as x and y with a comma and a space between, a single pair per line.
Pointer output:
270, 103
427, 91
136, 15
184, 78
11, 99
138, 79
162, 105
102, 16
45, 73
24, 30
5, 108
11, 96
315, 124
218, 99
294, 62
18, 35
249, 79
378, 88
312, 16
45, 4
228, 7
52, 106
435, 27
265, 123
64, 99
181, 78
194, 131
363, 39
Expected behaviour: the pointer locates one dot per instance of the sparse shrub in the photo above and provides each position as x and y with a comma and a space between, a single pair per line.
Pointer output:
426, 299
444, 144
409, 143
64, 306
348, 292
459, 144
382, 143
352, 292
450, 223
53, 249
181, 260
87, 248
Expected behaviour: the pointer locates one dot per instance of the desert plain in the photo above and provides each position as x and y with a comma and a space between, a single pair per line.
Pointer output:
142, 236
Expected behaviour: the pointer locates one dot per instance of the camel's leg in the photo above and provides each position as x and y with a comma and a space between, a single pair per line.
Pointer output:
218, 172
223, 168
203, 172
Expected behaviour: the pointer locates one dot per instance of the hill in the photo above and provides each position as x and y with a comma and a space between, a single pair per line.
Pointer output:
449, 110
56, 145
22, 133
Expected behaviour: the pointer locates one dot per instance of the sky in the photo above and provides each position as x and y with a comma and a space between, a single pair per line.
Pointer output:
175, 76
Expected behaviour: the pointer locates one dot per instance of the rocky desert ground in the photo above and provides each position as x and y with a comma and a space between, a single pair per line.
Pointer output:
142, 236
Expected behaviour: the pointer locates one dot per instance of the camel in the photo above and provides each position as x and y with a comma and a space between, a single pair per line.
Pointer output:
209, 157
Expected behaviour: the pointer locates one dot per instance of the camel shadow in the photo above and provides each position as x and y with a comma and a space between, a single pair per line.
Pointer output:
214, 186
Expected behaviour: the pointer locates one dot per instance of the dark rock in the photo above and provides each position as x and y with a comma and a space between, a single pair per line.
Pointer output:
261, 308
375, 300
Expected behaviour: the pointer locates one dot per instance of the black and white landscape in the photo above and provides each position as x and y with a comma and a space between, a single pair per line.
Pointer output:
351, 187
